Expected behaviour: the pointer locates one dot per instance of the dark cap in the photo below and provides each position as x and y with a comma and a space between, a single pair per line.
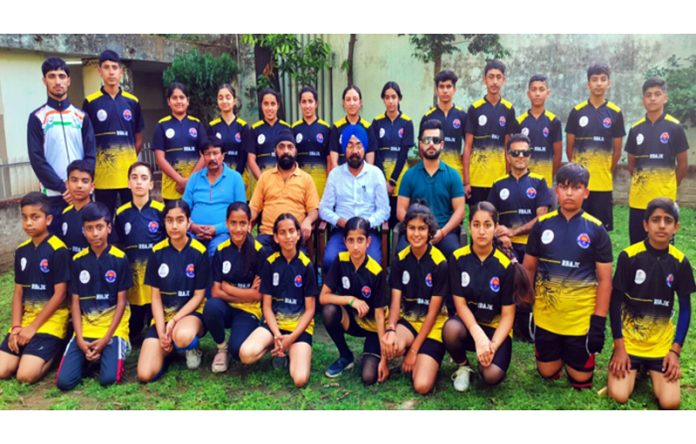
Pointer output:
109, 55
284, 135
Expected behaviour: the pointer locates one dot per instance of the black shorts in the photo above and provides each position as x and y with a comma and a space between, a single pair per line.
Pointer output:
571, 350
600, 205
42, 345
371, 346
304, 337
651, 364
504, 353
152, 331
430, 347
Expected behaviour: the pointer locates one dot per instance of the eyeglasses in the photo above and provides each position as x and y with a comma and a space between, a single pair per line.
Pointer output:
427, 140
520, 153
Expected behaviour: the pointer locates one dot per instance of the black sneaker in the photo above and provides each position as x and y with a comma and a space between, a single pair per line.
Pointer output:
339, 366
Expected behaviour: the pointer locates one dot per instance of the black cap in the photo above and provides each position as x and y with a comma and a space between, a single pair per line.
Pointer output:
109, 55
284, 135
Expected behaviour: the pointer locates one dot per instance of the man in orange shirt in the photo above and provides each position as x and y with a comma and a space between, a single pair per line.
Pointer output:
284, 189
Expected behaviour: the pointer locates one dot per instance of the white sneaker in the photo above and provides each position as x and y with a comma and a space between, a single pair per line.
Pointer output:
461, 378
193, 358
220, 361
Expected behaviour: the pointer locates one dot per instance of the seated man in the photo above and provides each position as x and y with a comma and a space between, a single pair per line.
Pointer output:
284, 189
355, 188
209, 192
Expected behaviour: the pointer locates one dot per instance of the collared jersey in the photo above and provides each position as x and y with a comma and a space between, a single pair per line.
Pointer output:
648, 279
394, 139
97, 282
419, 280
566, 282
453, 125
178, 274
595, 130
71, 229
116, 121
517, 201
489, 125
312, 142
239, 267
543, 132
367, 283
236, 138
485, 285
38, 269
263, 142
336, 138
655, 147
180, 140
288, 284
138, 231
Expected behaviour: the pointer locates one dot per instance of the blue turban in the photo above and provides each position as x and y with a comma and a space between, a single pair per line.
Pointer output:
356, 130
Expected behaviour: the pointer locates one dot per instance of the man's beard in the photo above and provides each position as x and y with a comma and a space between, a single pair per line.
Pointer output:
286, 162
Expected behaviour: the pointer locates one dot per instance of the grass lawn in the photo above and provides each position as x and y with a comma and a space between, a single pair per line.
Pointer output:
262, 387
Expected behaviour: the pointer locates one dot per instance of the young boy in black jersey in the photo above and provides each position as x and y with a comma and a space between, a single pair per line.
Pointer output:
80, 186
39, 315
648, 274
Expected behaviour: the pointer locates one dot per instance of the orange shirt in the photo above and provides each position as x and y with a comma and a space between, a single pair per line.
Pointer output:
274, 195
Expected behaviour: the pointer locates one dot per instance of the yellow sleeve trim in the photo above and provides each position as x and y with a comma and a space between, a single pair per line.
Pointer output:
195, 119
161, 245
340, 122
215, 122
504, 260
304, 259
365, 123
613, 106
196, 245
550, 115
521, 117
536, 176
165, 119
437, 256
257, 245
405, 117
68, 208
373, 267
116, 252
461, 252
272, 258
129, 96
257, 124
56, 243
676, 253
283, 122
94, 96
224, 245
671, 118
635, 249
343, 256
241, 121
323, 122
82, 253
501, 178
639, 122
430, 111
123, 207
403, 253
157, 205
478, 103
548, 215
380, 117
297, 123
506, 103
581, 105
458, 108
26, 242
592, 219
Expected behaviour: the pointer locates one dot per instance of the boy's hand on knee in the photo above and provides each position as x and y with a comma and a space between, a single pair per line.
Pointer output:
24, 335
671, 367
620, 363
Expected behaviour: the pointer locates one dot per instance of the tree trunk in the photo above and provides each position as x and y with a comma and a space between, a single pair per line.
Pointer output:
264, 66
351, 52
437, 67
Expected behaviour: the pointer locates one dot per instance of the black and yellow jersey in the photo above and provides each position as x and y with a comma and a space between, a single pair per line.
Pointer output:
239, 267
485, 285
137, 231
394, 139
543, 132
367, 283
181, 141
71, 229
116, 121
517, 201
289, 283
655, 147
648, 279
595, 130
37, 270
178, 274
235, 138
336, 137
566, 281
418, 281
263, 142
489, 124
97, 282
312, 142
453, 125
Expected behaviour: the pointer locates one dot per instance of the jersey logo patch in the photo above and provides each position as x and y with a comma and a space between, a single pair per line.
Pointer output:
190, 271
545, 132
276, 279
583, 240
494, 283
226, 267
298, 138
127, 115
504, 193
127, 228
429, 280
456, 123
84, 276
381, 133
169, 133
401, 133
366, 292
531, 192
482, 120
346, 282
193, 132
110, 276
101, 115
639, 139
405, 278
320, 138
670, 280
153, 226
640, 276
64, 228
163, 271
466, 279
261, 139
298, 281
664, 137
23, 263
525, 131
606, 123
237, 138
547, 237
583, 121
43, 265
502, 121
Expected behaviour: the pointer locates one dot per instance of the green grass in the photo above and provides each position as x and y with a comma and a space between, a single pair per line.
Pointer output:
262, 387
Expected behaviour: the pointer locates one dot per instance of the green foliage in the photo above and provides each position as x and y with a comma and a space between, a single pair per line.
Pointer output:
202, 74
429, 47
679, 73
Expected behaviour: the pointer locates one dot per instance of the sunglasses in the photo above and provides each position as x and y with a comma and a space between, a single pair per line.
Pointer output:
520, 153
427, 140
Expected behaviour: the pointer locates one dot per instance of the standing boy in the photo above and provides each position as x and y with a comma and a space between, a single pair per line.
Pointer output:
80, 185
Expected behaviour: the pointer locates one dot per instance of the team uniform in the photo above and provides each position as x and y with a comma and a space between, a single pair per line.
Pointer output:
138, 230
487, 287
177, 275
419, 281
517, 202
96, 281
655, 147
566, 284
263, 142
37, 270
289, 283
71, 229
116, 121
238, 267
453, 127
236, 138
367, 284
543, 132
180, 140
489, 125
642, 305
336, 138
595, 130
312, 142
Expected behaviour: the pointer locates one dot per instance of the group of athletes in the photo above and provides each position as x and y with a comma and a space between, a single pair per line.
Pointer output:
537, 260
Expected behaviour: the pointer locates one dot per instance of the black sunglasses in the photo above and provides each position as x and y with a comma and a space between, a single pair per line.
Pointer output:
431, 139
520, 153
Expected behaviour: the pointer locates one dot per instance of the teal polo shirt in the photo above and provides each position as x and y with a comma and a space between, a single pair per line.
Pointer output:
437, 190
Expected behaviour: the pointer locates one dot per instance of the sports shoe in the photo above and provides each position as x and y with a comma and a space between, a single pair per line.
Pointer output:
280, 362
339, 366
220, 361
461, 378
193, 358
